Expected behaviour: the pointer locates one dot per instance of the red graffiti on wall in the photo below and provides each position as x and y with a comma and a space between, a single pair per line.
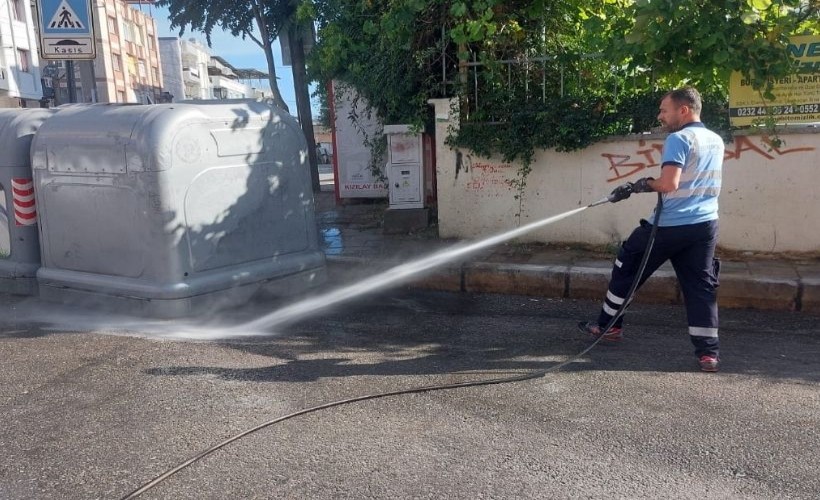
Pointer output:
622, 166
648, 156
488, 180
744, 143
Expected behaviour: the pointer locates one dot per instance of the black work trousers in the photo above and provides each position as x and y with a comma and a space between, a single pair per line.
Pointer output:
691, 249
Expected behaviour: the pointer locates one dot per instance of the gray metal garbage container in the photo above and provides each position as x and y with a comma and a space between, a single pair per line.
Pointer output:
170, 209
19, 242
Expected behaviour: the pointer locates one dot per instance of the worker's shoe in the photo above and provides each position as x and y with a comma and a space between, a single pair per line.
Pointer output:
614, 334
708, 363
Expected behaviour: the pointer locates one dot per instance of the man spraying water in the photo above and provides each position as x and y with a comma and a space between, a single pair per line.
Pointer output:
687, 229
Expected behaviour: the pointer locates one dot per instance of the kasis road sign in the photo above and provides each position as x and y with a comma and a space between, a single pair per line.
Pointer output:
66, 29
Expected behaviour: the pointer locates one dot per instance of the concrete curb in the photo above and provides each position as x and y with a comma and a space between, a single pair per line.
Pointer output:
810, 295
737, 290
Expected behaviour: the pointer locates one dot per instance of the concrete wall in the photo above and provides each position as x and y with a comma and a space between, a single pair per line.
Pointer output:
170, 56
769, 201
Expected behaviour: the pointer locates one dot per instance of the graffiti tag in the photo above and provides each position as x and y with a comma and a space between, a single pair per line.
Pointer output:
489, 179
649, 155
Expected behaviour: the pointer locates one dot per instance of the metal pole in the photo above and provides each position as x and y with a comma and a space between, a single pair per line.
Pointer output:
72, 87
94, 96
562, 81
443, 62
526, 80
544, 81
475, 81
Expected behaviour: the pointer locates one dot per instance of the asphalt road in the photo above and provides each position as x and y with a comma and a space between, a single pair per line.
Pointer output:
97, 412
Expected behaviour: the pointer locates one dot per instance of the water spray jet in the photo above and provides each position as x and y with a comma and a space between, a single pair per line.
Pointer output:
393, 276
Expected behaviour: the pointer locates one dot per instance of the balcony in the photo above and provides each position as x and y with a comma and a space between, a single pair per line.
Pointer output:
190, 75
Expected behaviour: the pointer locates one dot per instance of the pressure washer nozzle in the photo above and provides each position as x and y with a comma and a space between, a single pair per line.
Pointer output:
600, 202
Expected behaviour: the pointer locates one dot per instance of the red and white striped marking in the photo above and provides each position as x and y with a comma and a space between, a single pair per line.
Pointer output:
25, 211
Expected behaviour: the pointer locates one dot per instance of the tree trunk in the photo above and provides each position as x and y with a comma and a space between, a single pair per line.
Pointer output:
300, 86
267, 46
274, 85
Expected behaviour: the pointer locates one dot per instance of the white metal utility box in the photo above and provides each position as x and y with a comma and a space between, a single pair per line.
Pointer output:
163, 208
404, 167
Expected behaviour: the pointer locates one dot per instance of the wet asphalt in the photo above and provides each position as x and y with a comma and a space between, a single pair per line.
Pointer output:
96, 411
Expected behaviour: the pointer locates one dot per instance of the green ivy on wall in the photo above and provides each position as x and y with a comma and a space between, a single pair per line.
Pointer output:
519, 71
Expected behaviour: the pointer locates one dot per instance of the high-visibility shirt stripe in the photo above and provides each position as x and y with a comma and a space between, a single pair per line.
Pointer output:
687, 193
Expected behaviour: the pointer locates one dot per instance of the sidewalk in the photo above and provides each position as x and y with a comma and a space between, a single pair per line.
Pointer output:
353, 239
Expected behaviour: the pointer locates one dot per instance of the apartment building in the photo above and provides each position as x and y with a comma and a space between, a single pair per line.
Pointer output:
225, 80
127, 67
20, 84
170, 56
188, 60
193, 73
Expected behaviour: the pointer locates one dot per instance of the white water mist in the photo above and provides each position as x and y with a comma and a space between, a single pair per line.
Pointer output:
63, 318
390, 277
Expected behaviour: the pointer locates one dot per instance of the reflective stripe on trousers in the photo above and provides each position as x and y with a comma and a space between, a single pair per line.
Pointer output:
691, 249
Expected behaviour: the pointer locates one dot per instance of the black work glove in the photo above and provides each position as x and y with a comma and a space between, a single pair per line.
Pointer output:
642, 185
621, 192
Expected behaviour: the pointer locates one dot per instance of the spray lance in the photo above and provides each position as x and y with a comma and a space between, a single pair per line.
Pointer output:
625, 190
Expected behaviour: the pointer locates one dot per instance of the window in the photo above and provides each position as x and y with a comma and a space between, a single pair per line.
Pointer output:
18, 8
132, 68
155, 73
112, 25
150, 42
143, 74
132, 33
121, 97
116, 62
128, 31
24, 60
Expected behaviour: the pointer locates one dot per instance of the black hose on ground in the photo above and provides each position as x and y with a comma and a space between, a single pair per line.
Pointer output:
415, 390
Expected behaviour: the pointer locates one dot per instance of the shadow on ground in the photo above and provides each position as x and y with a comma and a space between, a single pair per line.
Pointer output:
430, 333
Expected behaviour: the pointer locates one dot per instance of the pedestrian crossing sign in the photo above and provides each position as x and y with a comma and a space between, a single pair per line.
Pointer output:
65, 18
66, 29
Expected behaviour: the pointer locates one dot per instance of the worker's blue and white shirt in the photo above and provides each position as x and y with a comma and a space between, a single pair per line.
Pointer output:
699, 153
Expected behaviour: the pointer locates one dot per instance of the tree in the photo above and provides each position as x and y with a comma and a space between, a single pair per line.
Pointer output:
399, 54
297, 30
238, 18
543, 74
703, 41
270, 18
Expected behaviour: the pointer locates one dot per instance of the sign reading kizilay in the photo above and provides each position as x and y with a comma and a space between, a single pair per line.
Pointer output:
66, 29
797, 96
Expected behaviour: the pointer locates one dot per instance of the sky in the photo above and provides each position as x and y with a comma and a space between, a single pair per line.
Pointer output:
238, 52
